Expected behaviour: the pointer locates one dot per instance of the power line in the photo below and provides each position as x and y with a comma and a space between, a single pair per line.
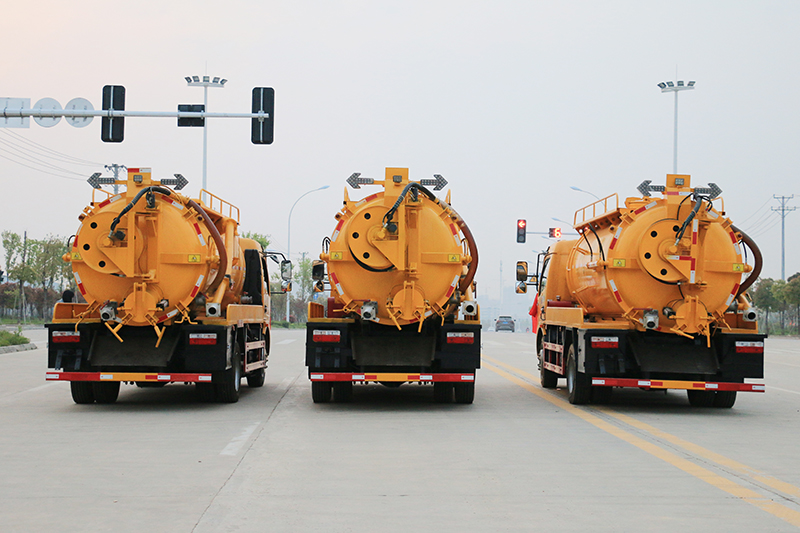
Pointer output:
40, 170
783, 210
41, 148
756, 211
26, 157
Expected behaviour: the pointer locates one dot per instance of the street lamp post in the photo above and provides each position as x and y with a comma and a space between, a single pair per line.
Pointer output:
205, 83
574, 188
289, 239
666, 87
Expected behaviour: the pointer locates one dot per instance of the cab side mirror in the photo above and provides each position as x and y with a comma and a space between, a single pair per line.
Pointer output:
522, 271
522, 287
286, 270
317, 270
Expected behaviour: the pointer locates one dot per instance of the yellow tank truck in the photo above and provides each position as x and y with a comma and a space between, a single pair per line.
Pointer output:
400, 267
172, 294
651, 295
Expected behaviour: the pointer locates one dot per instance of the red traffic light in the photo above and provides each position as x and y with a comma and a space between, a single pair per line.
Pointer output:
521, 224
555, 233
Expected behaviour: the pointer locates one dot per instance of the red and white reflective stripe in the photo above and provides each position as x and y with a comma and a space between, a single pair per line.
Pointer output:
66, 336
326, 335
167, 316
197, 285
677, 384
336, 283
367, 199
553, 347
337, 230
199, 234
128, 376
80, 283
77, 232
452, 286
735, 242
646, 207
732, 295
615, 291
695, 226
749, 347
108, 201
605, 342
202, 338
466, 337
173, 203
615, 239
692, 269
390, 377
455, 233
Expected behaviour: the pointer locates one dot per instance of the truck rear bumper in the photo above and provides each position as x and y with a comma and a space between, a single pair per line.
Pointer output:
675, 384
396, 377
149, 377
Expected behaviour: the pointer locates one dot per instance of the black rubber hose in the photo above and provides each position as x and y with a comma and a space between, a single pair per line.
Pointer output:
223, 254
136, 198
756, 256
390, 213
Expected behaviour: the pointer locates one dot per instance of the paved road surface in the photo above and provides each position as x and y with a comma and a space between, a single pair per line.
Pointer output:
519, 459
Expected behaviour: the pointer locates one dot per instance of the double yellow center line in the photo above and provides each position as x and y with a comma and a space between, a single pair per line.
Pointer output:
734, 488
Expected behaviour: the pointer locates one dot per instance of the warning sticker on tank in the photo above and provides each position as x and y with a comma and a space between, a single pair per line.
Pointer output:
194, 258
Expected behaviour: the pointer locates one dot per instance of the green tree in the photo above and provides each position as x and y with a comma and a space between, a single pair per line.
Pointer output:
764, 299
778, 290
260, 238
792, 294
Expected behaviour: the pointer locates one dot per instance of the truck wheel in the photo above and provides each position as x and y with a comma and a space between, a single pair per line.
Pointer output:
725, 399
257, 378
548, 378
82, 392
321, 391
442, 392
231, 379
465, 392
205, 392
602, 395
343, 391
701, 398
105, 391
580, 391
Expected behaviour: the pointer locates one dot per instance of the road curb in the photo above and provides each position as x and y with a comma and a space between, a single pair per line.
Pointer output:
17, 348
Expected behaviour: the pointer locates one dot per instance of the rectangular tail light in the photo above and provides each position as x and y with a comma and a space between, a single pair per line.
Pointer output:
202, 338
66, 336
749, 347
326, 335
461, 338
605, 342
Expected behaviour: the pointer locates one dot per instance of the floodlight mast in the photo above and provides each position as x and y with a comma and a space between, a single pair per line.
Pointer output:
207, 81
675, 88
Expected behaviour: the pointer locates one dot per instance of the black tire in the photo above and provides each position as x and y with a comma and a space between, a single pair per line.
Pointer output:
464, 392
205, 392
602, 395
257, 378
548, 378
442, 392
82, 392
725, 399
321, 391
106, 391
230, 381
343, 391
701, 398
580, 391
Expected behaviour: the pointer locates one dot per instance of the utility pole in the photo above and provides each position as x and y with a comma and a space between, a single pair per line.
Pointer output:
115, 168
783, 210
21, 286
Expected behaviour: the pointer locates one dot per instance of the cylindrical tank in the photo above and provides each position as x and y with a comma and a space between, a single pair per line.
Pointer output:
401, 255
673, 263
149, 256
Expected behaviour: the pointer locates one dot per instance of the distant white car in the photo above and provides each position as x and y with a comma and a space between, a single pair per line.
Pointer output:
505, 322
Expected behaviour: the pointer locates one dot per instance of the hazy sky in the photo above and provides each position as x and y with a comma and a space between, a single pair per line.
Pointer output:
513, 102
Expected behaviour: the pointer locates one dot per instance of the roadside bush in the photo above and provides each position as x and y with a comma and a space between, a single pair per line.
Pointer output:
8, 338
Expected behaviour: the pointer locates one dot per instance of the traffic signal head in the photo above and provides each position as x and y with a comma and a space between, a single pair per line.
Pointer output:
521, 228
555, 233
